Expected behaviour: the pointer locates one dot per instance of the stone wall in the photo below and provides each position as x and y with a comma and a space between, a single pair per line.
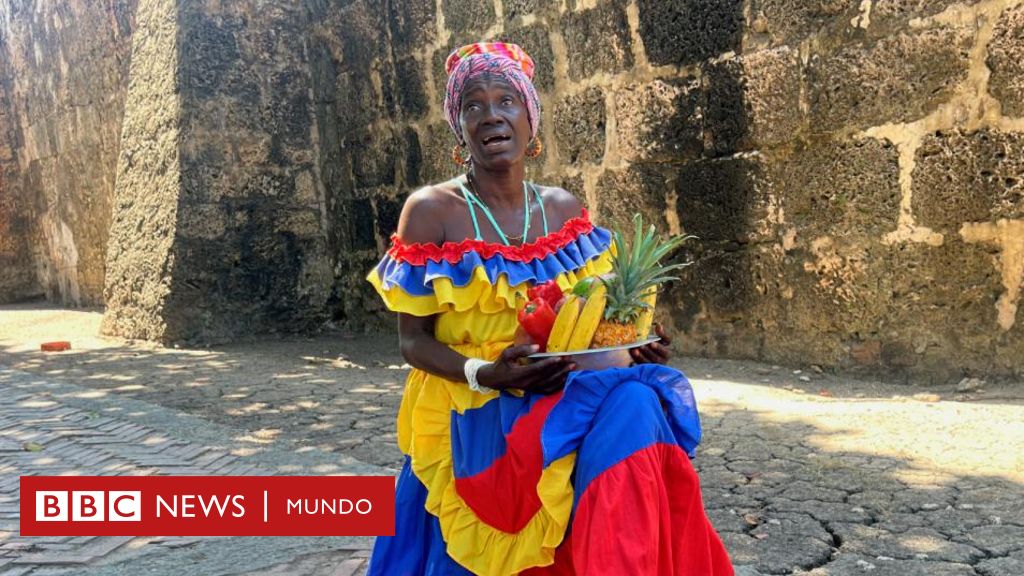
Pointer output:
230, 239
852, 167
65, 70
18, 279
880, 157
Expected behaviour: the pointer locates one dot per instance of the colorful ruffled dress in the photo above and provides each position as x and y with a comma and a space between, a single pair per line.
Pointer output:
592, 480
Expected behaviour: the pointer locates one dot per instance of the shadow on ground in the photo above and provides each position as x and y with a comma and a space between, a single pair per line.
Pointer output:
785, 503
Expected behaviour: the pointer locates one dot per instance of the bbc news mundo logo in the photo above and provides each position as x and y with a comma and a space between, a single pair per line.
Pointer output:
207, 506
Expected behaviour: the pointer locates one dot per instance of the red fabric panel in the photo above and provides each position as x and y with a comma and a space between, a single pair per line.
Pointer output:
452, 252
505, 494
645, 516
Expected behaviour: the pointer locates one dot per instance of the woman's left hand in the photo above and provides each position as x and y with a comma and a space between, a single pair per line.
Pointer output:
655, 352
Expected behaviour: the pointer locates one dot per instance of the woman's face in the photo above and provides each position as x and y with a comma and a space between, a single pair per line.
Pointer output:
495, 123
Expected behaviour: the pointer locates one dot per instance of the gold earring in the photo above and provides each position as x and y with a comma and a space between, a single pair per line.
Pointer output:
535, 148
457, 156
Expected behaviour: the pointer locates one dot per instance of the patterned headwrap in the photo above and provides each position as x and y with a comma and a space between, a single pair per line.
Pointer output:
508, 61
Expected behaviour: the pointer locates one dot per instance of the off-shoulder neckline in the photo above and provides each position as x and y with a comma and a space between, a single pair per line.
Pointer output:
452, 251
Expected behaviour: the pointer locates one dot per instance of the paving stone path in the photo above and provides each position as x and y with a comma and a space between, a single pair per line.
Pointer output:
802, 472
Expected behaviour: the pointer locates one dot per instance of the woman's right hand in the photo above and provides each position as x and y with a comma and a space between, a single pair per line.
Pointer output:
545, 376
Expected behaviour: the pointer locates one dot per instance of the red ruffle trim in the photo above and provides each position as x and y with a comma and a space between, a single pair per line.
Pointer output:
452, 252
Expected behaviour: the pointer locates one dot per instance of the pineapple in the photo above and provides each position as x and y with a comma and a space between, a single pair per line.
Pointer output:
637, 274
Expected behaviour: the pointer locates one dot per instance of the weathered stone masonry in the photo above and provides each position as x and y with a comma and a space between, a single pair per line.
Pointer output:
64, 69
853, 168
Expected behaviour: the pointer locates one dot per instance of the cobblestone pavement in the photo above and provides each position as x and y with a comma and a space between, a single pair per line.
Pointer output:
803, 472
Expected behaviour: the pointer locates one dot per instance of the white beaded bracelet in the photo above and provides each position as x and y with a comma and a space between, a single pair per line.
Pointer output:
471, 367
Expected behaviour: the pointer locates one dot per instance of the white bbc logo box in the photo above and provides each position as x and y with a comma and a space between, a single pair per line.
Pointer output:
89, 506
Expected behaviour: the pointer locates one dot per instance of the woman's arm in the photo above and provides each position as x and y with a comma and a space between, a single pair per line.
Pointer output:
422, 350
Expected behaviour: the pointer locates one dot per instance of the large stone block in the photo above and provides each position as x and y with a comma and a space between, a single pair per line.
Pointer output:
323, 67
209, 54
659, 121
891, 13
1006, 60
968, 177
896, 79
357, 102
361, 223
207, 221
574, 185
954, 286
790, 21
838, 188
375, 156
413, 24
466, 16
808, 299
830, 21
597, 40
263, 185
436, 145
942, 309
515, 8
722, 200
365, 38
637, 189
720, 278
287, 114
753, 101
714, 306
281, 274
580, 124
387, 210
410, 85
534, 40
689, 31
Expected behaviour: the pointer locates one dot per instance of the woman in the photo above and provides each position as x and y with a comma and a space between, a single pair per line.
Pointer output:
506, 472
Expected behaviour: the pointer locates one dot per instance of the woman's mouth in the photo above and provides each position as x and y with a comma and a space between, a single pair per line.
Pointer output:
495, 140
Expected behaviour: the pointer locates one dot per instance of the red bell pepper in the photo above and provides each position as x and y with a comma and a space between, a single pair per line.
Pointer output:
537, 318
548, 291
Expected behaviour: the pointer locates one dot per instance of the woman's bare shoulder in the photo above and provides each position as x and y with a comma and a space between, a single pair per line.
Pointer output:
561, 204
424, 212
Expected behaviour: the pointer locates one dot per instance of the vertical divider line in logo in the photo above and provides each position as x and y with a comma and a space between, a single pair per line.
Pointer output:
264, 506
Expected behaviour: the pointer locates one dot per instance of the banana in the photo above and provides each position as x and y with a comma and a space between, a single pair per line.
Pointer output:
558, 340
646, 319
590, 317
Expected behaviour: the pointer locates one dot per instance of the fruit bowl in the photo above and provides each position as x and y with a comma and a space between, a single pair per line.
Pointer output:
598, 358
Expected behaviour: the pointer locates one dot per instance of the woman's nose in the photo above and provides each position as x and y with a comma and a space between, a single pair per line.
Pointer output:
491, 115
